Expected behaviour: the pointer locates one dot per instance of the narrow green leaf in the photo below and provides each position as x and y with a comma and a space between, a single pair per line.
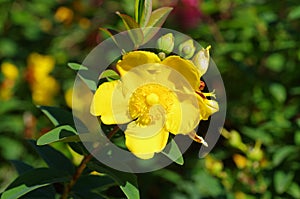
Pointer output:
57, 115
173, 152
138, 9
54, 158
126, 181
91, 84
146, 13
63, 133
76, 66
33, 180
19, 191
157, 18
111, 34
133, 28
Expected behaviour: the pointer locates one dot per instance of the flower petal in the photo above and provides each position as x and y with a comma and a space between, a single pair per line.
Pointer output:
145, 148
144, 141
186, 68
109, 103
136, 58
207, 107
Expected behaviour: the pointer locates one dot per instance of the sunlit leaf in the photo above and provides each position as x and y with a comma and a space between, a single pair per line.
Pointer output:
146, 13
110, 75
133, 28
63, 133
157, 18
33, 180
76, 66
173, 152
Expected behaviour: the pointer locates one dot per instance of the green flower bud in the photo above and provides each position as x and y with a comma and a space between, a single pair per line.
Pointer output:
166, 43
187, 49
201, 60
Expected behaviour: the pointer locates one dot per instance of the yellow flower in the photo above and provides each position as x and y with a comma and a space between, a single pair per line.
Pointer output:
156, 98
9, 70
43, 86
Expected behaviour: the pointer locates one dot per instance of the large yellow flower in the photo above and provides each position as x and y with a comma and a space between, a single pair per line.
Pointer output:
156, 98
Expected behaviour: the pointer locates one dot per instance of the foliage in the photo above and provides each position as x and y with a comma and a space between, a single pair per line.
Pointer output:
255, 46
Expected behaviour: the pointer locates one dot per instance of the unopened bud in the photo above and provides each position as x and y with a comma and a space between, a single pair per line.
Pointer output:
166, 43
187, 49
201, 60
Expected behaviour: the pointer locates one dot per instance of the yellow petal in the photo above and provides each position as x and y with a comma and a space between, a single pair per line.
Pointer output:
186, 68
144, 141
136, 58
145, 148
109, 103
207, 107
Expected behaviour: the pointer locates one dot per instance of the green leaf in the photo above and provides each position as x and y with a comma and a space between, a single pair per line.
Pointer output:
54, 158
130, 24
138, 9
91, 84
110, 75
173, 152
126, 181
157, 18
146, 13
294, 13
21, 167
76, 66
92, 184
278, 91
282, 181
111, 34
63, 133
57, 115
33, 180
282, 153
294, 190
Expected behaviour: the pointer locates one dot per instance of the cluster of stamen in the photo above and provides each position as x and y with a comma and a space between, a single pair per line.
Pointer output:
146, 96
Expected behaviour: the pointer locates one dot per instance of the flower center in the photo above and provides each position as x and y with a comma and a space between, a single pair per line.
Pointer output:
144, 97
152, 99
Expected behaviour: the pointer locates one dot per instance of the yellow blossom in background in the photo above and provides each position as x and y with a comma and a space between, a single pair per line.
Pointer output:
43, 86
10, 73
152, 109
64, 14
68, 97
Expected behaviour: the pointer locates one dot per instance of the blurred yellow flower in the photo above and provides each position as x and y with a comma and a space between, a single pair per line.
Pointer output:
43, 86
152, 108
64, 14
10, 73
68, 97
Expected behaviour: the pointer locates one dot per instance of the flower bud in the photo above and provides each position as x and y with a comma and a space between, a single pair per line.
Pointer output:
201, 60
166, 43
187, 49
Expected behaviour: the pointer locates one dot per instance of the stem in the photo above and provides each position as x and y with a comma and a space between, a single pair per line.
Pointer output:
76, 176
81, 167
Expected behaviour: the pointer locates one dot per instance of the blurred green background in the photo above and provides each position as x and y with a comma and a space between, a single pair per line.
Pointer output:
255, 44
